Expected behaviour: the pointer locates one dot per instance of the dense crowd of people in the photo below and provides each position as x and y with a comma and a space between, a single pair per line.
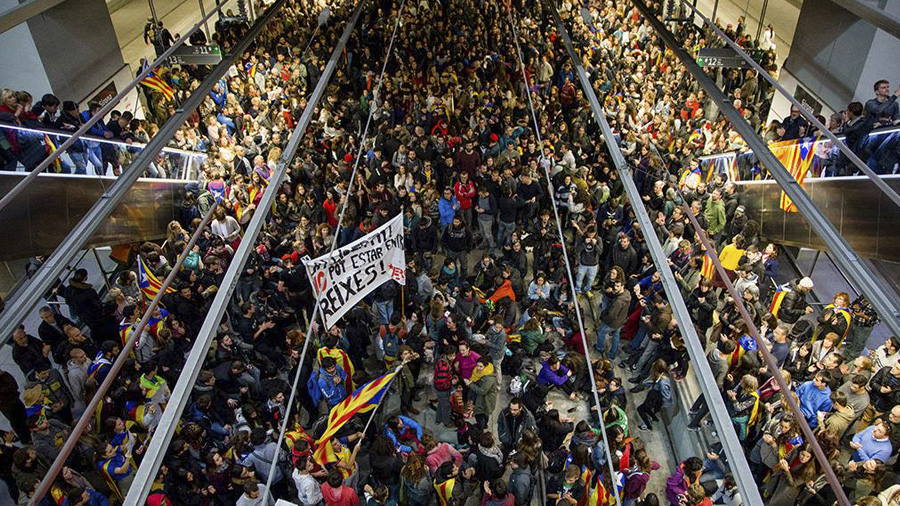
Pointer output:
487, 311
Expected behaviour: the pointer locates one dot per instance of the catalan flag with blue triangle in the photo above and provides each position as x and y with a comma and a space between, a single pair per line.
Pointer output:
745, 343
148, 282
797, 157
365, 398
777, 299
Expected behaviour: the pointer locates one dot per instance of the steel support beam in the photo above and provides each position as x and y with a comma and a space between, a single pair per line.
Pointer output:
113, 196
694, 343
845, 257
878, 17
21, 13
146, 474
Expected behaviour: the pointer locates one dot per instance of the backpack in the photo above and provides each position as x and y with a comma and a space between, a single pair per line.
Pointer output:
531, 484
390, 342
312, 386
557, 460
443, 376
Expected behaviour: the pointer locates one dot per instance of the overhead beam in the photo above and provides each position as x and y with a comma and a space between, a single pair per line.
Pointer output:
878, 17
21, 13
693, 342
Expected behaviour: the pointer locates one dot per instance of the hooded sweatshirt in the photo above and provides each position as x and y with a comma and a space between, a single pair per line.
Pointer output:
341, 496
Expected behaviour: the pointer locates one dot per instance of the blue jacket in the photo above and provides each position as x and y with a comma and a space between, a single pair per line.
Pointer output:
332, 393
549, 377
97, 499
447, 208
99, 127
407, 423
813, 400
871, 447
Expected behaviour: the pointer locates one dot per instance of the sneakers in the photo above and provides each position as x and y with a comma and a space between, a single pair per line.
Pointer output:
693, 428
589, 294
644, 428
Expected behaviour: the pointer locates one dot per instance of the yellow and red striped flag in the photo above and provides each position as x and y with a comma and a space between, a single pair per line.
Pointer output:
155, 83
708, 269
778, 298
365, 398
797, 157
148, 282
50, 146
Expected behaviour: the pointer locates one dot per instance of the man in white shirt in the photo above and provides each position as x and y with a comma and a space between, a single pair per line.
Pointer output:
309, 492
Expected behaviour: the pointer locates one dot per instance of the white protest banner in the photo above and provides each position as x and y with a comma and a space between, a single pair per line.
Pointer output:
342, 278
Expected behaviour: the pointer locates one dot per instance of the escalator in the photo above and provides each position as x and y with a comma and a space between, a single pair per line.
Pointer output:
40, 217
866, 218
47, 210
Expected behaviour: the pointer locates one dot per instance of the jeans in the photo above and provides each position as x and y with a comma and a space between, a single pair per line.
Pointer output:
638, 339
649, 354
80, 159
385, 310
604, 331
485, 226
504, 231
442, 413
585, 270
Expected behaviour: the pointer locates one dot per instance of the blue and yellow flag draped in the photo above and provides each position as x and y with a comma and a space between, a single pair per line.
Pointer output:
598, 495
744, 344
365, 398
780, 292
148, 282
797, 157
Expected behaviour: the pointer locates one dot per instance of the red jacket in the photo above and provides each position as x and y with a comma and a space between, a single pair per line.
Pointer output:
342, 496
464, 193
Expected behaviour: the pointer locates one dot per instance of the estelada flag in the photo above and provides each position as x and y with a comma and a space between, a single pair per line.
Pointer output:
708, 269
148, 282
365, 398
778, 298
797, 157
599, 495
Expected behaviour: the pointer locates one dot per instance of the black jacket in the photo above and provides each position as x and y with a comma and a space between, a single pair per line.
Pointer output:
793, 305
457, 238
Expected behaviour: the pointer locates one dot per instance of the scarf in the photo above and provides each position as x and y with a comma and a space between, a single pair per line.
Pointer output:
487, 371
492, 452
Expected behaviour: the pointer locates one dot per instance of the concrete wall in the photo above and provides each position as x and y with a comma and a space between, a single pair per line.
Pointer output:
838, 57
78, 46
69, 50
20, 63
